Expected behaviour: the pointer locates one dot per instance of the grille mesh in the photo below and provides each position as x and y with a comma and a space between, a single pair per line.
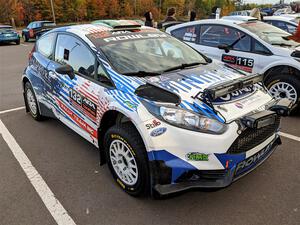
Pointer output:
253, 137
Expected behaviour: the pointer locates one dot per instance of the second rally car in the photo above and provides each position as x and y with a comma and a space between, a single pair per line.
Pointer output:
164, 117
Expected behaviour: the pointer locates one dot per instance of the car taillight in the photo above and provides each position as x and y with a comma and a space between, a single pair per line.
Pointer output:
31, 53
31, 34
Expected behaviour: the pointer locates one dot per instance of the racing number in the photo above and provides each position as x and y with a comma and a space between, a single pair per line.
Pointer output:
242, 63
75, 96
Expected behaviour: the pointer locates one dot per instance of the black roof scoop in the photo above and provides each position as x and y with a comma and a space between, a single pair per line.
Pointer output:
157, 94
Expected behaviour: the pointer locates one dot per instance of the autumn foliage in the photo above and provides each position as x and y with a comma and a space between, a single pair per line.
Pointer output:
24, 11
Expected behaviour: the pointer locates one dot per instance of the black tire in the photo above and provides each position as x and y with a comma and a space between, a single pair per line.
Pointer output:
127, 134
36, 115
26, 39
18, 42
291, 80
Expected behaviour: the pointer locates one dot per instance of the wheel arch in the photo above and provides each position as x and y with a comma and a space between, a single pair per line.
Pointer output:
109, 119
284, 69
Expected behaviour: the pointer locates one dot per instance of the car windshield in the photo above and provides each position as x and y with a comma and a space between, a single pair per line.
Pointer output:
151, 55
269, 33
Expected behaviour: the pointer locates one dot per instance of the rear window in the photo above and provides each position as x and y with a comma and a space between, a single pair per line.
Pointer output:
49, 24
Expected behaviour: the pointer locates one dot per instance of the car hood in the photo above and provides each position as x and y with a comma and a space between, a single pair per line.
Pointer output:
188, 84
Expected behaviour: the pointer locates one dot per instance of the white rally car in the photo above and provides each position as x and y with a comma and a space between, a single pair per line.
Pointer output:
286, 23
164, 117
249, 45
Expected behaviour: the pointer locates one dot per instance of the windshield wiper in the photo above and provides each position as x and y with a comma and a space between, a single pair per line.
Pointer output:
282, 44
183, 66
141, 73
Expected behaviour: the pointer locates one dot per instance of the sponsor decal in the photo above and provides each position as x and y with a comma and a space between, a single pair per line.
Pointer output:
239, 105
155, 123
80, 122
236, 94
197, 156
130, 105
245, 64
159, 131
252, 161
83, 104
133, 37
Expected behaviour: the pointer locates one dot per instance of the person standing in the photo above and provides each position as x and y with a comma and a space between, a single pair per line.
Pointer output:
149, 19
171, 13
193, 15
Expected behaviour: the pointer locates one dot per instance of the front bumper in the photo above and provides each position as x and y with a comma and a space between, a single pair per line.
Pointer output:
209, 178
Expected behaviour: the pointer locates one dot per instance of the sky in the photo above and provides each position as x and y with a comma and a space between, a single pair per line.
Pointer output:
267, 1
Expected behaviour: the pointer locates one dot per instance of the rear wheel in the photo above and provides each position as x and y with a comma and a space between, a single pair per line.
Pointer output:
284, 86
31, 102
127, 159
25, 38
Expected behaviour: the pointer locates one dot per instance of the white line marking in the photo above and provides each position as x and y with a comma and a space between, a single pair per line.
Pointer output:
24, 45
11, 110
57, 211
290, 136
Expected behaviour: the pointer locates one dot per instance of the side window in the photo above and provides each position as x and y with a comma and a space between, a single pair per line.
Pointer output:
29, 25
214, 35
69, 50
45, 45
291, 28
280, 24
188, 33
260, 49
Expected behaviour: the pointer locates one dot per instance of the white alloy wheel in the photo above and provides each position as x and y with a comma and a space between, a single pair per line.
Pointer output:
31, 101
284, 90
123, 162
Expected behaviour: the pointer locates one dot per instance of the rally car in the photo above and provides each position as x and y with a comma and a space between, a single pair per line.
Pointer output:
164, 117
249, 45
288, 24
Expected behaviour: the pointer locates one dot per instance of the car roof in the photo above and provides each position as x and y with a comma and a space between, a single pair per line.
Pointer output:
83, 30
282, 18
239, 19
5, 26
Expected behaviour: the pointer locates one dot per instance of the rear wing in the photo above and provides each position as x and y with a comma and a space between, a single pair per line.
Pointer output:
219, 90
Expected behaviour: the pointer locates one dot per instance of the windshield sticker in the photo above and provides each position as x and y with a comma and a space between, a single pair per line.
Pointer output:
107, 37
245, 64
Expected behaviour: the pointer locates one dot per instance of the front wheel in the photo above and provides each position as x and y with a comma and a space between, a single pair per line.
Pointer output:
285, 86
127, 159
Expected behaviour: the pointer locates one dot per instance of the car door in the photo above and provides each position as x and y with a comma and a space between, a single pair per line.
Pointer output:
244, 52
77, 99
38, 63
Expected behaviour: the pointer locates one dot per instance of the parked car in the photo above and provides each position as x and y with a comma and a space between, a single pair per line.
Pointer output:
283, 11
287, 24
8, 34
164, 117
240, 13
36, 29
249, 45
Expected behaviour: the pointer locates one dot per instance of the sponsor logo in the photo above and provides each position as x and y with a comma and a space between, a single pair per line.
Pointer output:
239, 105
158, 131
134, 36
152, 125
130, 104
197, 156
236, 94
251, 161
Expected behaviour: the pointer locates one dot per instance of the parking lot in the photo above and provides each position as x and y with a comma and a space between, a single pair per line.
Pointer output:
69, 165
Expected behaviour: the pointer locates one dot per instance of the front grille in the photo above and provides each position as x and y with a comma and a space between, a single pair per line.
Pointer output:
250, 137
201, 175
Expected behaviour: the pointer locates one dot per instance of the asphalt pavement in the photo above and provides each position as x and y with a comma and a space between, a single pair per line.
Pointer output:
69, 165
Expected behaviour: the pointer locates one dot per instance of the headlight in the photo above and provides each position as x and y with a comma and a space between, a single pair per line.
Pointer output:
186, 119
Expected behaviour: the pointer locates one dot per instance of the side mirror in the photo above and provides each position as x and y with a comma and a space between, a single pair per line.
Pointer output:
225, 47
66, 69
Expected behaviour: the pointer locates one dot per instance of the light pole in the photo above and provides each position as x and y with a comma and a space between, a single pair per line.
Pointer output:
53, 13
